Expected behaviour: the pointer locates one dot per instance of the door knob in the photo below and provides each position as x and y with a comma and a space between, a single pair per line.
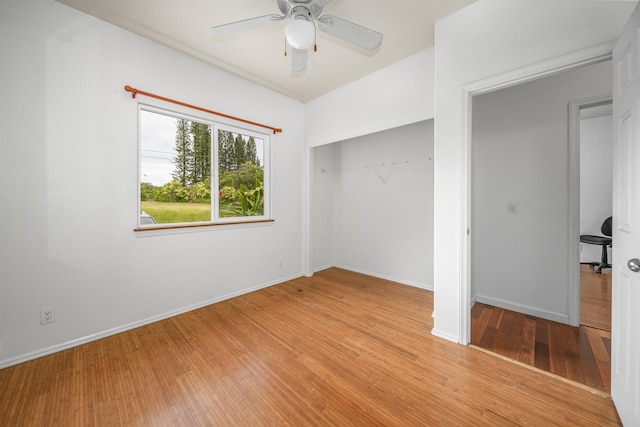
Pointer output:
634, 265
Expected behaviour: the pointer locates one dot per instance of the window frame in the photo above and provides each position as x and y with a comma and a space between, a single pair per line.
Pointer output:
266, 170
215, 126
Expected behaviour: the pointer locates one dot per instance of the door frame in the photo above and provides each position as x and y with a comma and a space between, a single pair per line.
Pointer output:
574, 199
592, 55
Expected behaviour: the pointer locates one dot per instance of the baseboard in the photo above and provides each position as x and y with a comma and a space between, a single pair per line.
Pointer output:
386, 277
532, 311
94, 337
445, 336
324, 267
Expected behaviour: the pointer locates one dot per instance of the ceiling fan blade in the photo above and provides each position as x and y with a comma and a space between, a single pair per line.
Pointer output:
350, 31
317, 6
284, 6
298, 60
246, 24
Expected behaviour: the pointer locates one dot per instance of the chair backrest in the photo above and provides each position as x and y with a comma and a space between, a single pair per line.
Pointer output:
607, 227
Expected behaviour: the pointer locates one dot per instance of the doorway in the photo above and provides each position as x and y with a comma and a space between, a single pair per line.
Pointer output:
596, 204
525, 222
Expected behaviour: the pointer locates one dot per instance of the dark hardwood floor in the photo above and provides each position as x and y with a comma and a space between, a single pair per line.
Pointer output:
580, 354
335, 349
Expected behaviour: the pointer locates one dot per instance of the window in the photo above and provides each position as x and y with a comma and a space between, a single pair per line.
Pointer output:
198, 172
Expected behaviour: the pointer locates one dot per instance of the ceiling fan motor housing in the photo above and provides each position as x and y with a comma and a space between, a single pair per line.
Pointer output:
301, 12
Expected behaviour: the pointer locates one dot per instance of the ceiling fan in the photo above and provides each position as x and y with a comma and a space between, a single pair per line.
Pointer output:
300, 32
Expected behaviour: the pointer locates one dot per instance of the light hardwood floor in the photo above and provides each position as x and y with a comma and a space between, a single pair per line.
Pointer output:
595, 298
336, 349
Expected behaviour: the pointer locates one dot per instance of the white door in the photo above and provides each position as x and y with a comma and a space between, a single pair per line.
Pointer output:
625, 335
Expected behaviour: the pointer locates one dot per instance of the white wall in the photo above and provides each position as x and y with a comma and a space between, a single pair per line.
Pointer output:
596, 181
68, 176
325, 170
379, 188
398, 95
485, 39
520, 260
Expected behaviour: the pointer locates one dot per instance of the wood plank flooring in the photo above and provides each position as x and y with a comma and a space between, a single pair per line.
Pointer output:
580, 354
595, 298
339, 348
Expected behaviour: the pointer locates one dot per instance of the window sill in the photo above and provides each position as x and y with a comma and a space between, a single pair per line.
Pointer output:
161, 228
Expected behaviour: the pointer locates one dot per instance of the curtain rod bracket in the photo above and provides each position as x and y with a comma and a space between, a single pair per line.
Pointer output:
135, 91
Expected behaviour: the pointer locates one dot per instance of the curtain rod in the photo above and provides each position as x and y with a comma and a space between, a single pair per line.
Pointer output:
135, 92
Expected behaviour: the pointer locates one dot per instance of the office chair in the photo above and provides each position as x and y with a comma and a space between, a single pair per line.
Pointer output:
603, 241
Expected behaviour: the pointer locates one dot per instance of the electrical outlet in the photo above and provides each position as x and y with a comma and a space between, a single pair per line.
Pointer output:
280, 263
47, 315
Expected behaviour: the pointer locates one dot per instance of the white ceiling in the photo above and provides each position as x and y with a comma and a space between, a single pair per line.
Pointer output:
258, 54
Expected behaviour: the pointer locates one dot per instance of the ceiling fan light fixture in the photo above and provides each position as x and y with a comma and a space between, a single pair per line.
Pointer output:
300, 33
